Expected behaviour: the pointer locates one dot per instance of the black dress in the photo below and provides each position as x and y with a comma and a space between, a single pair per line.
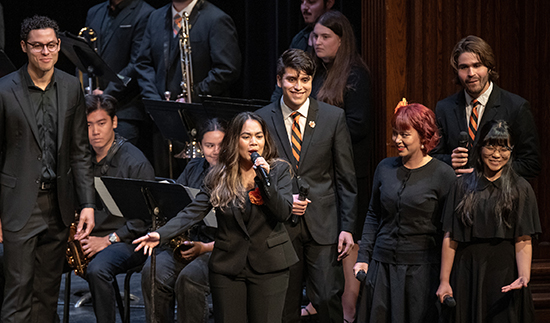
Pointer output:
485, 259
401, 242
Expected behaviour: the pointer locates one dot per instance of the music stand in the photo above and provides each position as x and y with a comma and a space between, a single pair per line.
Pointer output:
6, 66
258, 103
141, 199
87, 60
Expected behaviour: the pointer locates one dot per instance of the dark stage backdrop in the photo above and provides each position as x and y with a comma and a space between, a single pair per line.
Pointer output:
265, 30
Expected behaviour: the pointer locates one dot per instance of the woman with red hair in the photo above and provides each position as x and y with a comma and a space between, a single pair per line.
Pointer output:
400, 246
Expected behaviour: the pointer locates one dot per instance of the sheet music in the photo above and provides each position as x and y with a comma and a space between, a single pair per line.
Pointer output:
210, 219
108, 200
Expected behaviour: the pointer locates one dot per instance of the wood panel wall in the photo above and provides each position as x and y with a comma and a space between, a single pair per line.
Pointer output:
407, 45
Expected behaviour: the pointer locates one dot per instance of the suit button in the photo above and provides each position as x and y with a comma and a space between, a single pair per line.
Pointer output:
39, 158
37, 182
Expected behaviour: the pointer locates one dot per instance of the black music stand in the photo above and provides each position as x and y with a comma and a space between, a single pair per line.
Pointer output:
87, 60
221, 100
141, 199
6, 66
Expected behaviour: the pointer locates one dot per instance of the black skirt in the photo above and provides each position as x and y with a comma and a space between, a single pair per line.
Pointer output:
480, 270
399, 294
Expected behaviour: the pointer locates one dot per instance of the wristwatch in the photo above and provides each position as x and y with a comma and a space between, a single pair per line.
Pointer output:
113, 238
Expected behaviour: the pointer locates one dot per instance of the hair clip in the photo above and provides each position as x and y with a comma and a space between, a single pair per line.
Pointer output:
401, 104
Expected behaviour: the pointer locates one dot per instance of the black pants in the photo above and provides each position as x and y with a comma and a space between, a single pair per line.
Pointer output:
248, 297
34, 257
324, 278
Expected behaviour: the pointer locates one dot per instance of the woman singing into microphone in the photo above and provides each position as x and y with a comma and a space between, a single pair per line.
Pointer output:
252, 250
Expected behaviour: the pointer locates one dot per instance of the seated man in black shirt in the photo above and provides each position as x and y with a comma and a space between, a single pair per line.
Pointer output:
110, 243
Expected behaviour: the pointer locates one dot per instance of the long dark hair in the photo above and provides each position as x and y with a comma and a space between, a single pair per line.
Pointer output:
347, 57
495, 133
224, 179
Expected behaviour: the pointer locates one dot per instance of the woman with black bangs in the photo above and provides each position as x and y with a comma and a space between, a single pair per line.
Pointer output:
489, 220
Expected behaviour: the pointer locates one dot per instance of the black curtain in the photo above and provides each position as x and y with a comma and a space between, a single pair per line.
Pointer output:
265, 30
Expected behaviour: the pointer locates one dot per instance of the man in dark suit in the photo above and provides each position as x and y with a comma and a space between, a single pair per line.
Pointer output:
45, 161
322, 226
214, 50
119, 26
480, 102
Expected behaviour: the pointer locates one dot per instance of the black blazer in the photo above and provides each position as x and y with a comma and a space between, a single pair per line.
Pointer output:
214, 51
119, 48
502, 105
326, 164
263, 242
21, 164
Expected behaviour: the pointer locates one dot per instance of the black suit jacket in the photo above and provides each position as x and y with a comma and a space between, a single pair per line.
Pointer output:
263, 242
21, 164
119, 48
214, 51
326, 164
502, 105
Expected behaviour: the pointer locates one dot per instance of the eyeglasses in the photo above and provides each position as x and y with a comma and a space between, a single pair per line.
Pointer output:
37, 47
501, 149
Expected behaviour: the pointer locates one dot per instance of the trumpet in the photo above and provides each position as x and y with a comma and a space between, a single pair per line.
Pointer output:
186, 62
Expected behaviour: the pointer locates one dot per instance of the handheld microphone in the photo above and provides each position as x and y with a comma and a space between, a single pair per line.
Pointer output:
303, 191
463, 142
361, 275
449, 301
260, 171
463, 139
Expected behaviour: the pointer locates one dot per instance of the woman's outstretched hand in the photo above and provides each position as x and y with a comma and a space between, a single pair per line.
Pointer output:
147, 242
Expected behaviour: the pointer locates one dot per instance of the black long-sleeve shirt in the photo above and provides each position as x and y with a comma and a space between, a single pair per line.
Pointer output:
403, 222
127, 162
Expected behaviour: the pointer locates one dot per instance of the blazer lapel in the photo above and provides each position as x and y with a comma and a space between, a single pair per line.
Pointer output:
460, 112
491, 108
115, 25
62, 105
280, 129
167, 39
310, 127
237, 213
22, 96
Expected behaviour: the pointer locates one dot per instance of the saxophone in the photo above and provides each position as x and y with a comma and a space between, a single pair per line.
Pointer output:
177, 244
75, 256
186, 62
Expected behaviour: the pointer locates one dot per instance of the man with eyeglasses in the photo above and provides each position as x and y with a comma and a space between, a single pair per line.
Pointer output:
45, 174
480, 102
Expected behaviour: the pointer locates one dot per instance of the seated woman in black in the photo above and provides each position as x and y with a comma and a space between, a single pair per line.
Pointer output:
187, 281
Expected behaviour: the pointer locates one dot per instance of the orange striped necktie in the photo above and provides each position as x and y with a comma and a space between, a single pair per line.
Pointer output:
472, 128
296, 137
177, 24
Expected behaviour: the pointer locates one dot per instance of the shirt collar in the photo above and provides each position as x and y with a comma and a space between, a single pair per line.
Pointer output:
187, 9
118, 8
483, 98
483, 183
288, 111
30, 83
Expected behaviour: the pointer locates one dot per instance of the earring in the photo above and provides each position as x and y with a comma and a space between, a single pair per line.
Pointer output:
422, 146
